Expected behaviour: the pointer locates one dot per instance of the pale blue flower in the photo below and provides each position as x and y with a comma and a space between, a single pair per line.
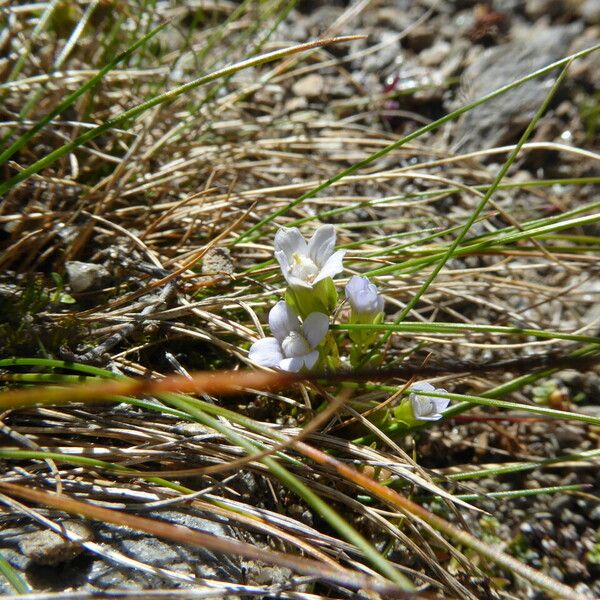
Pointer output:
365, 300
305, 264
294, 343
427, 408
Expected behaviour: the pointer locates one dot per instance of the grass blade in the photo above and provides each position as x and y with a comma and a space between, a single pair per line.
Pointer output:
252, 233
71, 98
136, 111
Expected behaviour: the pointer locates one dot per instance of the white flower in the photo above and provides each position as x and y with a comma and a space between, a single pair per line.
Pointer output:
366, 302
293, 346
427, 408
302, 264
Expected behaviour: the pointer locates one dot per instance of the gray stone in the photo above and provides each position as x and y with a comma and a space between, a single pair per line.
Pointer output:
217, 265
590, 11
501, 120
311, 86
595, 513
541, 8
86, 276
151, 551
434, 56
575, 568
188, 560
387, 54
49, 548
16, 559
509, 6
217, 260
568, 435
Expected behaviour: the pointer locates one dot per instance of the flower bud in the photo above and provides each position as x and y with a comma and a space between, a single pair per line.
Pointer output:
365, 300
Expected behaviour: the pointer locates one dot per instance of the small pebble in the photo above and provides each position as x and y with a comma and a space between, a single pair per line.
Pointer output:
435, 56
590, 11
218, 264
568, 533
568, 516
576, 568
311, 86
595, 513
49, 548
559, 503
568, 436
526, 528
540, 8
86, 276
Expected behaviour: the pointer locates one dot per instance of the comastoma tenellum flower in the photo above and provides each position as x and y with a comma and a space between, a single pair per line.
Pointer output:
306, 264
424, 407
294, 344
365, 300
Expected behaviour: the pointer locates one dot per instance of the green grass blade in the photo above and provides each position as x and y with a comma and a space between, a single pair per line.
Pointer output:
252, 233
136, 111
524, 466
16, 581
37, 30
531, 408
461, 328
484, 201
192, 407
71, 98
61, 58
487, 243
510, 494
51, 363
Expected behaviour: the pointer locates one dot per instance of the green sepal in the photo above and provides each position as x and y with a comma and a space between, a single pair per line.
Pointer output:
322, 297
329, 349
361, 337
404, 413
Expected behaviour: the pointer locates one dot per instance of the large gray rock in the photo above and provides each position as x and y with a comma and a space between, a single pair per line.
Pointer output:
500, 121
50, 562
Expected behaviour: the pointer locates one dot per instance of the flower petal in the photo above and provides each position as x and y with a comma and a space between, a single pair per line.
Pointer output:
440, 403
422, 386
355, 286
332, 267
297, 282
266, 352
284, 263
289, 240
315, 327
293, 365
310, 359
433, 417
321, 244
364, 298
282, 320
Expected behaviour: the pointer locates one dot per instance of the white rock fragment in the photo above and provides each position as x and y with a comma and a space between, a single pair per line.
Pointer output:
86, 276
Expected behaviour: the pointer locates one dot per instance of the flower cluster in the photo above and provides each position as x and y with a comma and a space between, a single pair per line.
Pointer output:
301, 337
